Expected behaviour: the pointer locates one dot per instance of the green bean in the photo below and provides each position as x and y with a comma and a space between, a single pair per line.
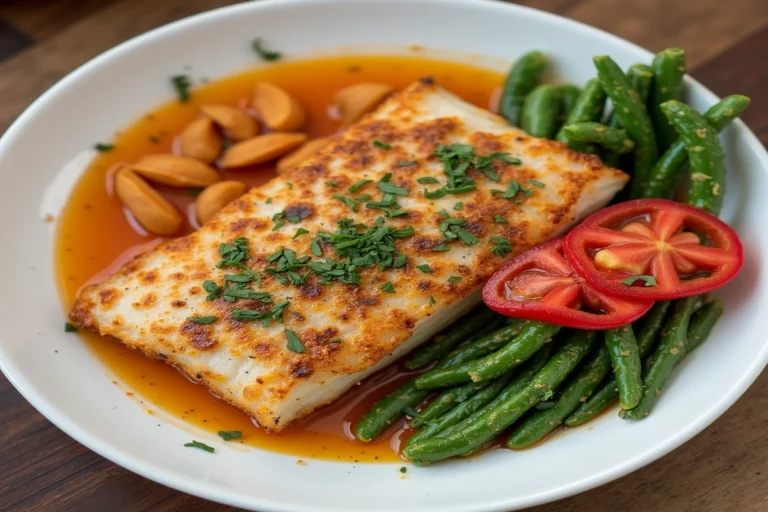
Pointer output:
670, 351
702, 323
521, 380
569, 94
446, 400
633, 116
460, 411
389, 408
541, 423
588, 107
625, 360
612, 139
520, 348
541, 111
670, 165
520, 81
648, 329
446, 341
668, 72
640, 78
491, 420
705, 154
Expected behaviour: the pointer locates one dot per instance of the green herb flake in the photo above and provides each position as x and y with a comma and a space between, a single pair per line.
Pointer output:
441, 248
403, 469
500, 220
299, 232
432, 300
229, 435
236, 252
335, 341
193, 191
202, 319
202, 446
427, 180
294, 343
214, 290
289, 185
458, 206
315, 247
268, 201
647, 281
351, 204
501, 246
181, 84
389, 188
358, 185
269, 56
332, 184
381, 145
103, 148
388, 287
424, 268
278, 225
68, 327
405, 163
536, 183
454, 279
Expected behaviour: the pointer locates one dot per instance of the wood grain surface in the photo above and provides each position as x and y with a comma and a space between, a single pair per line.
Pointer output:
723, 469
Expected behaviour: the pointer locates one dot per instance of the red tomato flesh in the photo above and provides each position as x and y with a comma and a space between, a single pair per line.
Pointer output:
654, 249
540, 284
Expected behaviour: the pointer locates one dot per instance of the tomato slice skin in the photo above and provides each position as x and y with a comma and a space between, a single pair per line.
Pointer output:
654, 238
539, 284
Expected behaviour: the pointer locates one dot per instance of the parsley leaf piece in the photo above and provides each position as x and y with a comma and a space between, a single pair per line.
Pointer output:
229, 435
501, 246
458, 206
427, 180
425, 268
389, 188
278, 225
202, 446
299, 232
388, 287
181, 84
435, 194
351, 204
68, 327
432, 300
193, 191
405, 163
500, 220
646, 280
236, 252
381, 145
294, 343
258, 47
202, 319
315, 247
454, 279
358, 185
214, 290
536, 183
268, 201
103, 148
441, 248
332, 184
335, 341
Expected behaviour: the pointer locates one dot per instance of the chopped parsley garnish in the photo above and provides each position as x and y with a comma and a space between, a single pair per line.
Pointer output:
427, 180
381, 145
389, 188
68, 327
454, 279
501, 246
388, 287
299, 232
405, 163
236, 252
363, 198
294, 343
458, 206
229, 435
358, 185
278, 225
403, 469
214, 290
351, 204
432, 300
268, 201
512, 190
425, 268
457, 159
536, 183
103, 148
233, 293
275, 313
286, 266
441, 248
332, 184
444, 213
388, 204
289, 185
284, 216
646, 280
193, 191
500, 220
258, 47
335, 341
202, 319
452, 230
315, 247
202, 446
181, 84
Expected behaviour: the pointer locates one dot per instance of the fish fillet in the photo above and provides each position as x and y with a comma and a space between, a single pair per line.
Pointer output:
346, 330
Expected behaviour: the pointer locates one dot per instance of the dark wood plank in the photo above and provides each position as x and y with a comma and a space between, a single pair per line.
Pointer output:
12, 40
43, 18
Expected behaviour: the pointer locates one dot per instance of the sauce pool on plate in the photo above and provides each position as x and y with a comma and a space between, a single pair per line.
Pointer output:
95, 237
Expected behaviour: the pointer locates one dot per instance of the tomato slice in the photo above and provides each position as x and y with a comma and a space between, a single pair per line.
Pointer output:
654, 249
540, 284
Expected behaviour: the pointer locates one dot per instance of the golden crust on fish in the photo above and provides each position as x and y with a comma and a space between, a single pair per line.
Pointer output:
347, 330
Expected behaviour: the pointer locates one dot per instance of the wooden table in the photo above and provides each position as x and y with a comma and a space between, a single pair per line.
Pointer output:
725, 468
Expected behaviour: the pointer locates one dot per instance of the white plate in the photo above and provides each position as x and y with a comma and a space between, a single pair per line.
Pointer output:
71, 389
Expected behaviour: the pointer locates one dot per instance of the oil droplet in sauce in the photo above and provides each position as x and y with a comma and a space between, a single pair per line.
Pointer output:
94, 238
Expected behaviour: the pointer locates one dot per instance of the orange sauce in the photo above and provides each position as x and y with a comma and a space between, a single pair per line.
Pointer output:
94, 237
